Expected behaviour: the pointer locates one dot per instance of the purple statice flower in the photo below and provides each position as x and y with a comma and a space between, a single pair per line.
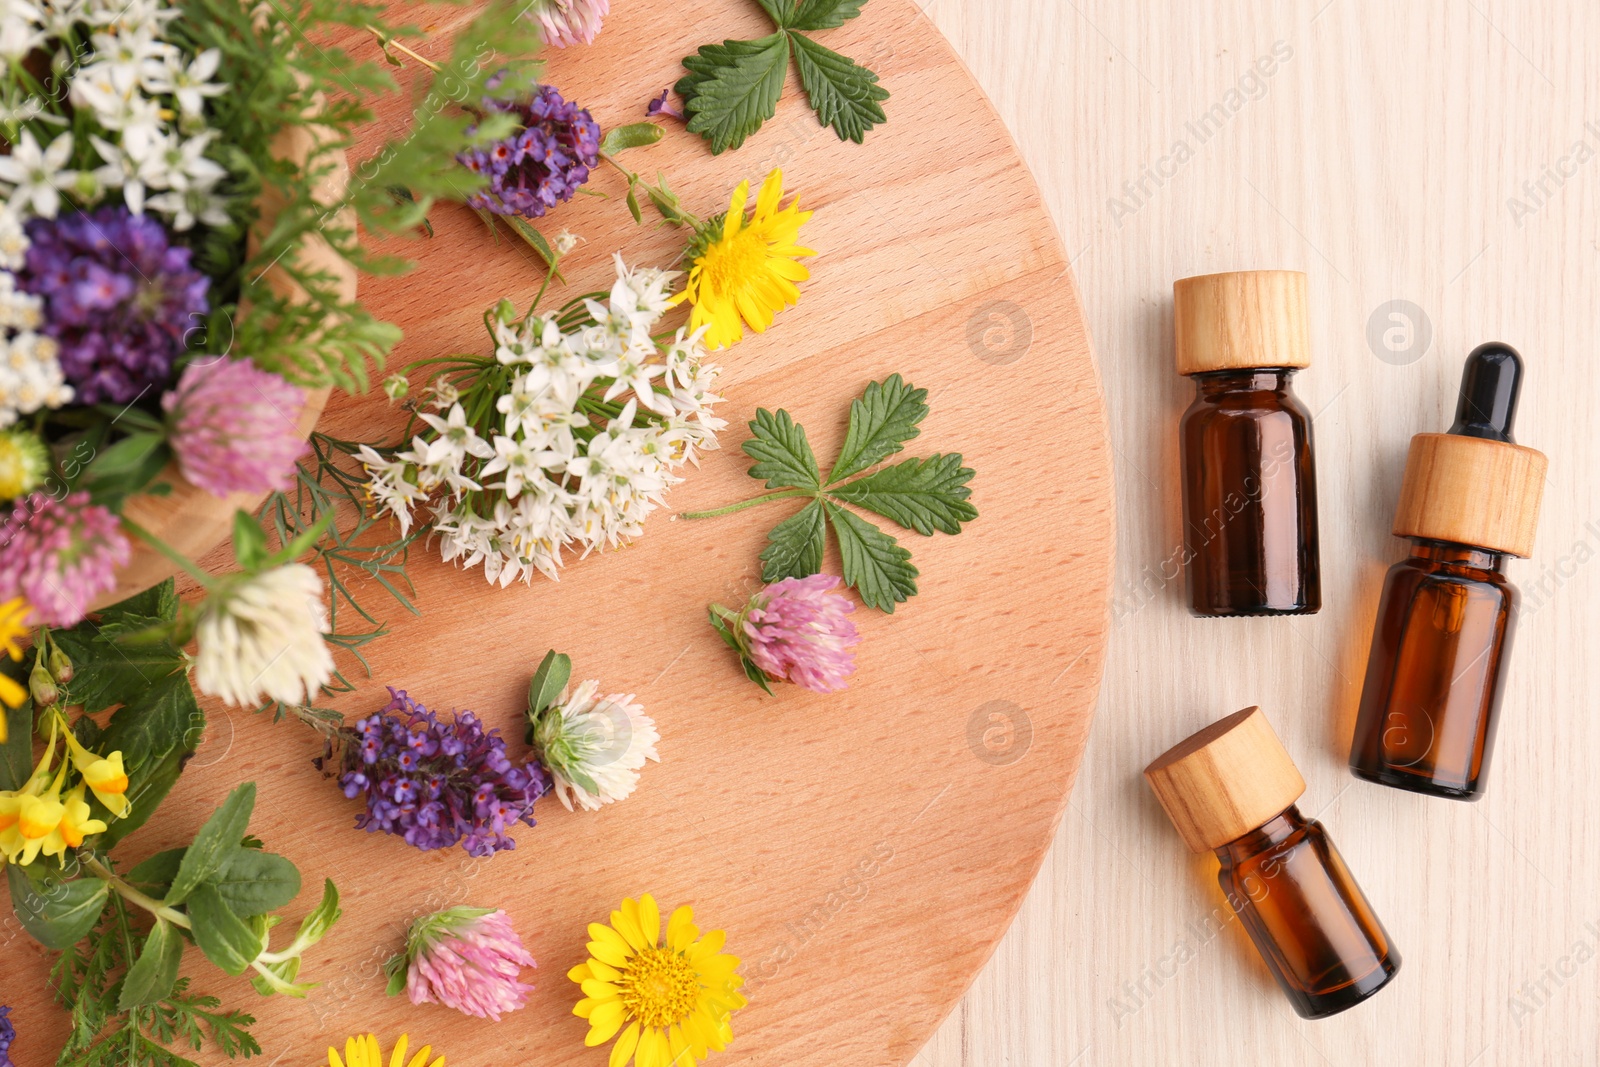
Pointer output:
235, 428
469, 959
8, 1034
564, 22
660, 106
542, 164
796, 631
59, 555
118, 297
437, 783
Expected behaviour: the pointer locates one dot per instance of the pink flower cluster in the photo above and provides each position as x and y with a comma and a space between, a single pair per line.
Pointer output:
796, 630
235, 427
59, 555
564, 22
469, 960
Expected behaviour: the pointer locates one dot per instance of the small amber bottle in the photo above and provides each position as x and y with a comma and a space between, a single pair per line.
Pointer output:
1232, 788
1249, 484
1437, 666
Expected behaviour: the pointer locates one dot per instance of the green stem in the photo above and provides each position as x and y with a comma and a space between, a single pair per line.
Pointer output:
133, 896
787, 494
188, 565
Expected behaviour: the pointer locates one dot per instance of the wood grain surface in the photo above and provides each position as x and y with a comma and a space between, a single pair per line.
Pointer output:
864, 851
1445, 153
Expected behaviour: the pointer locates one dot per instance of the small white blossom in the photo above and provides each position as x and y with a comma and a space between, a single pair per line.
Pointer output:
35, 176
263, 639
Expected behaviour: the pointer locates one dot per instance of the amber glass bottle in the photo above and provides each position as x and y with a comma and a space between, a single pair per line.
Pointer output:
1431, 699
1249, 483
1232, 788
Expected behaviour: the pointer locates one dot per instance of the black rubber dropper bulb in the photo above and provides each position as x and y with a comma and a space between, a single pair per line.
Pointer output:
1489, 387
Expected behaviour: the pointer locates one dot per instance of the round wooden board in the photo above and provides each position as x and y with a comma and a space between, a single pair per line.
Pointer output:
865, 851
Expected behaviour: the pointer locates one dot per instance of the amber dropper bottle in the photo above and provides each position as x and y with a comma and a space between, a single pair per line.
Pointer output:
1232, 788
1470, 498
1249, 484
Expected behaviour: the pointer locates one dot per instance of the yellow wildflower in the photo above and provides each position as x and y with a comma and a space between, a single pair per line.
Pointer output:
104, 774
677, 995
366, 1052
75, 821
13, 627
743, 270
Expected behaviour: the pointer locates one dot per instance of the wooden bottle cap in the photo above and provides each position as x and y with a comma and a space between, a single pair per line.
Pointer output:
1252, 318
1226, 780
1472, 491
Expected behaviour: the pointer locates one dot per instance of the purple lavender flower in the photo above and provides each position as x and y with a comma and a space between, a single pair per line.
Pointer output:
469, 959
660, 106
540, 165
795, 631
8, 1034
435, 783
235, 428
119, 298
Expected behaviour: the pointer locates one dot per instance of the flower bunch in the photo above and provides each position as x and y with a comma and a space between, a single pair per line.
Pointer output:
675, 995
436, 783
579, 422
58, 555
541, 164
469, 959
795, 630
41, 819
593, 746
30, 368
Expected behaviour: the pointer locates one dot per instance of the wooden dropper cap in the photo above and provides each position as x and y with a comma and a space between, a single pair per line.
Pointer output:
1226, 780
1237, 321
1474, 486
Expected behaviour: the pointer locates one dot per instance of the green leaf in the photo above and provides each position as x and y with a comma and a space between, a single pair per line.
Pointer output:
106, 672
249, 541
155, 972
16, 755
315, 927
796, 545
154, 876
844, 94
756, 674
824, 14
549, 681
535, 240
253, 882
227, 940
783, 455
882, 420
280, 978
159, 602
148, 786
920, 494
130, 454
633, 204
56, 912
638, 135
216, 842
730, 99
779, 11
874, 563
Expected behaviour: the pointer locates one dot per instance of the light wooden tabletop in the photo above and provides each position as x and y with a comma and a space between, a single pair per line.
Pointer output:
1435, 168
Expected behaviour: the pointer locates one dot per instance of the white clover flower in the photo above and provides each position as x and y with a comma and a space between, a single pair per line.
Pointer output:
594, 746
263, 639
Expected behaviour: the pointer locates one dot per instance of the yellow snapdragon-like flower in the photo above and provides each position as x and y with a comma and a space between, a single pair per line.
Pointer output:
13, 627
105, 775
38, 820
76, 823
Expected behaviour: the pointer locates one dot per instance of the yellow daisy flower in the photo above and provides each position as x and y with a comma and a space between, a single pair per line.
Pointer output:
743, 270
677, 995
13, 627
364, 1051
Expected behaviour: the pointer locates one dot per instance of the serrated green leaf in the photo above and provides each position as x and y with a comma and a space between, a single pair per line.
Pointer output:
155, 972
920, 494
160, 601
57, 913
731, 99
227, 940
824, 14
549, 681
105, 673
796, 545
253, 882
779, 11
637, 135
882, 420
783, 455
874, 564
214, 845
844, 94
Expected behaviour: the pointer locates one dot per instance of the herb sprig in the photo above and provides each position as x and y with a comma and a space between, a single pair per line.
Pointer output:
925, 495
733, 88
